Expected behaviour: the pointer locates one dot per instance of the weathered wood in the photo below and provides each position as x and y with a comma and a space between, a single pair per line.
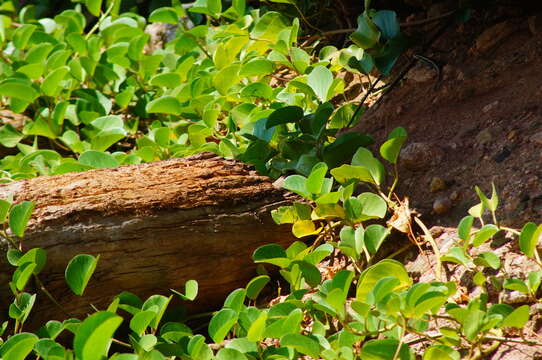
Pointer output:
154, 226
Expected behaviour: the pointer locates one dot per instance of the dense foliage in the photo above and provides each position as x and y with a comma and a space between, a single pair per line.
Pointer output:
96, 94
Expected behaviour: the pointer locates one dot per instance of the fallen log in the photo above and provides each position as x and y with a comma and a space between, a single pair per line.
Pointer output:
154, 225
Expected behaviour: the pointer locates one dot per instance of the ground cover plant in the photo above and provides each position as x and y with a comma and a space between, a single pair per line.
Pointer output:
240, 85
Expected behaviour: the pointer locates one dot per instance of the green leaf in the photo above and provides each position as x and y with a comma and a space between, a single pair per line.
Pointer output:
304, 344
296, 184
391, 148
158, 302
141, 321
19, 216
18, 346
373, 206
98, 159
190, 290
271, 254
490, 204
221, 324
22, 34
269, 26
226, 78
18, 90
315, 181
284, 115
385, 349
255, 286
517, 285
485, 233
168, 80
79, 271
257, 328
518, 318
165, 105
320, 80
457, 255
374, 236
235, 300
346, 173
364, 157
382, 269
386, 20
166, 15
23, 274
366, 35
94, 335
488, 259
94, 7
37, 256
464, 228
477, 210
529, 238
257, 67
5, 205
9, 136
230, 354
51, 84
441, 352
344, 147
300, 59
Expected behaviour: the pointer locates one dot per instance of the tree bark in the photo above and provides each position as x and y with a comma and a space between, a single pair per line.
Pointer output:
154, 225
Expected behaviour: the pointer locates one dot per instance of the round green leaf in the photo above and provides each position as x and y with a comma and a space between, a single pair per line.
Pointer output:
256, 285
51, 84
304, 344
166, 15
385, 349
165, 105
517, 318
98, 159
320, 80
79, 271
441, 352
19, 216
18, 90
529, 237
93, 336
18, 346
221, 324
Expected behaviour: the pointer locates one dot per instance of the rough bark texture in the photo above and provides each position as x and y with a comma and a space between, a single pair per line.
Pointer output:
154, 226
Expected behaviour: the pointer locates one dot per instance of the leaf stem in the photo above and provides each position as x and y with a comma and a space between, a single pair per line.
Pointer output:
431, 240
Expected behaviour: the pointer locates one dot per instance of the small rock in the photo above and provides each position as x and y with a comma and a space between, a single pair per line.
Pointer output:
490, 107
502, 155
454, 196
512, 135
442, 205
437, 184
418, 156
421, 74
484, 137
537, 138
492, 36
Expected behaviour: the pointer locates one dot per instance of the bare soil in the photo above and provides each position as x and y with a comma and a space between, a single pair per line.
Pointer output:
475, 120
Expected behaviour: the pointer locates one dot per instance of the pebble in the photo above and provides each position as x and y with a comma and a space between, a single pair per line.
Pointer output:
490, 107
537, 138
484, 137
421, 74
437, 184
442, 205
492, 36
418, 156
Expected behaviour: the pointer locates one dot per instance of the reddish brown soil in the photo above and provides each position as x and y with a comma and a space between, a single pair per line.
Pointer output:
480, 122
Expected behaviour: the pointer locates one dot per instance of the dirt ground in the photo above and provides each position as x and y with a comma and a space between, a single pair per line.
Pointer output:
473, 114
473, 119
